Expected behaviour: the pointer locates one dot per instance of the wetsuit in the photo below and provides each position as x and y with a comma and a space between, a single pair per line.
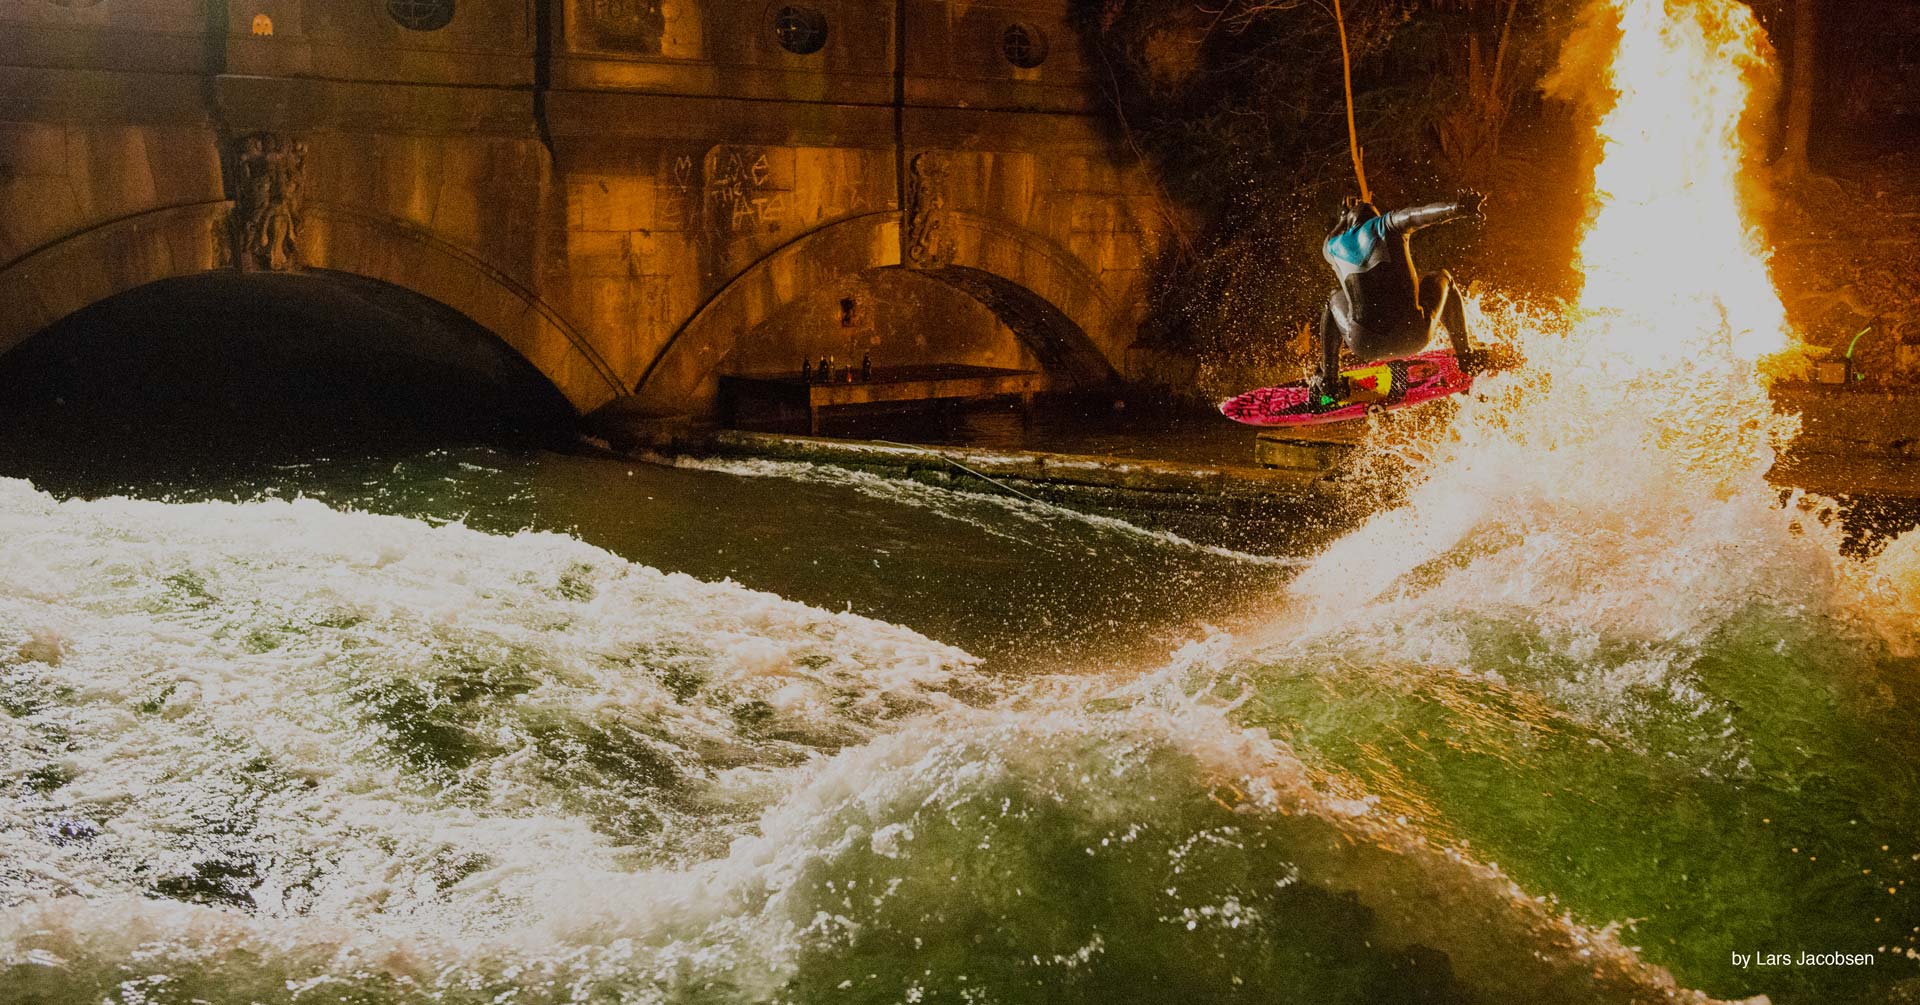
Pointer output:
1384, 307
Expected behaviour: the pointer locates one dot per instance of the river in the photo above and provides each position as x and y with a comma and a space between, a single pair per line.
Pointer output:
490, 722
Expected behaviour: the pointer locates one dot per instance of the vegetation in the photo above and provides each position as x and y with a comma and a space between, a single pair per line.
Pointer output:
1239, 108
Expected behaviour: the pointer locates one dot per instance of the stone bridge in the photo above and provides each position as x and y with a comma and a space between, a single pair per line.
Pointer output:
637, 196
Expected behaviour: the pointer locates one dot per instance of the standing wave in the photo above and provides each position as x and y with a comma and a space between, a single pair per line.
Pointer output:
1595, 645
274, 752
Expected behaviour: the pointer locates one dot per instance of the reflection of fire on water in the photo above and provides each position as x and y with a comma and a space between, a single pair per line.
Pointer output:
1671, 270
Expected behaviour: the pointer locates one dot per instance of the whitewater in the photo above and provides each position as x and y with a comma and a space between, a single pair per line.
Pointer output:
1589, 709
275, 751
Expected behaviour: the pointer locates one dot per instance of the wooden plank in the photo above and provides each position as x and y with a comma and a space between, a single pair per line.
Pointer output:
782, 399
873, 392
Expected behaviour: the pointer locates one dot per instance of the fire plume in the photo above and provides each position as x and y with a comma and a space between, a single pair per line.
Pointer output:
1672, 271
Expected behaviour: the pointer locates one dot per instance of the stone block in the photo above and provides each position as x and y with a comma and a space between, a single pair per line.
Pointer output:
1314, 449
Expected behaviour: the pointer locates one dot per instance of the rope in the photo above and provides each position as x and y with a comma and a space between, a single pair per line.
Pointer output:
1353, 132
990, 481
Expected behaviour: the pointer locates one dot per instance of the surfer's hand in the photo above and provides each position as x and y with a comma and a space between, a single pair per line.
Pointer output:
1472, 203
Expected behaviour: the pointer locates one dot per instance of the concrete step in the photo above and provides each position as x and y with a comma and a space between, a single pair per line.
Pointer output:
1139, 475
1317, 450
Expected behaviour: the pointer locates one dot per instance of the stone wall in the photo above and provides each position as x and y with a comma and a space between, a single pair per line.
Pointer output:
637, 195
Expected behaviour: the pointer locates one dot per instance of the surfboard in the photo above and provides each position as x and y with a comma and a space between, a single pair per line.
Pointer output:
1398, 383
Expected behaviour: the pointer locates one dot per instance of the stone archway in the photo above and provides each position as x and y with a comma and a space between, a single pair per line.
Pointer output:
1040, 291
1045, 329
1039, 288
183, 241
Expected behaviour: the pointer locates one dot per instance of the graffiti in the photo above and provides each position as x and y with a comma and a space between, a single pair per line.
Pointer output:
738, 195
742, 192
738, 167
737, 191
674, 207
843, 193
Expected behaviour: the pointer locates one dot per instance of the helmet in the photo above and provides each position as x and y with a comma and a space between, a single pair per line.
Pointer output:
1354, 211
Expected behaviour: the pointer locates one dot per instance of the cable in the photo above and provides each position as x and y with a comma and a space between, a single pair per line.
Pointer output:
1346, 76
990, 481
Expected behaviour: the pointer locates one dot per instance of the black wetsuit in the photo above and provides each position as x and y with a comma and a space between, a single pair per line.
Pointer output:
1384, 307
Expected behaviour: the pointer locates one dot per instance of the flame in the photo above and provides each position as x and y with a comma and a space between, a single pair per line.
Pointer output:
1672, 271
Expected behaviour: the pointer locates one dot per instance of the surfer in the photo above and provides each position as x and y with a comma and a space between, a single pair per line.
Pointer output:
1384, 307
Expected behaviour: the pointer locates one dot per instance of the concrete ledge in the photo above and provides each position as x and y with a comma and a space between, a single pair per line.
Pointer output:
1853, 440
1863, 415
1849, 474
1319, 449
1247, 508
1035, 467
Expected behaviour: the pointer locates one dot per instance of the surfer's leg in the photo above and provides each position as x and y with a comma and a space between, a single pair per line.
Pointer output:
1329, 341
1450, 309
1324, 384
1443, 307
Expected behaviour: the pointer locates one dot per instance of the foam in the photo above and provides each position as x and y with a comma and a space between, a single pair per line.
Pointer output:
981, 510
425, 763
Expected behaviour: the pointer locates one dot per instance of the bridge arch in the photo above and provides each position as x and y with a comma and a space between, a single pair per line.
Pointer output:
177, 242
1052, 303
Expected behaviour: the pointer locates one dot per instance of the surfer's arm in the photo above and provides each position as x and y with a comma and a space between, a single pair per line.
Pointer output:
1406, 221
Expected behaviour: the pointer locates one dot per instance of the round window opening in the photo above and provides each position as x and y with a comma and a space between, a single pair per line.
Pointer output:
421, 15
800, 30
1024, 46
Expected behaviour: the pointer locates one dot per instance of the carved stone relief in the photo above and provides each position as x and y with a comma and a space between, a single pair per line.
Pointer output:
928, 244
267, 203
635, 25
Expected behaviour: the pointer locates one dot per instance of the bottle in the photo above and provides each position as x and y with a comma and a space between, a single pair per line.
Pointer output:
866, 366
806, 370
825, 373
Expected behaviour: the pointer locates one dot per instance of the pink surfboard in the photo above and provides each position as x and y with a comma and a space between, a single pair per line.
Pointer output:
1398, 383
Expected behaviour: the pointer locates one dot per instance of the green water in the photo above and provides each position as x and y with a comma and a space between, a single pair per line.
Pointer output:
427, 725
1766, 805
